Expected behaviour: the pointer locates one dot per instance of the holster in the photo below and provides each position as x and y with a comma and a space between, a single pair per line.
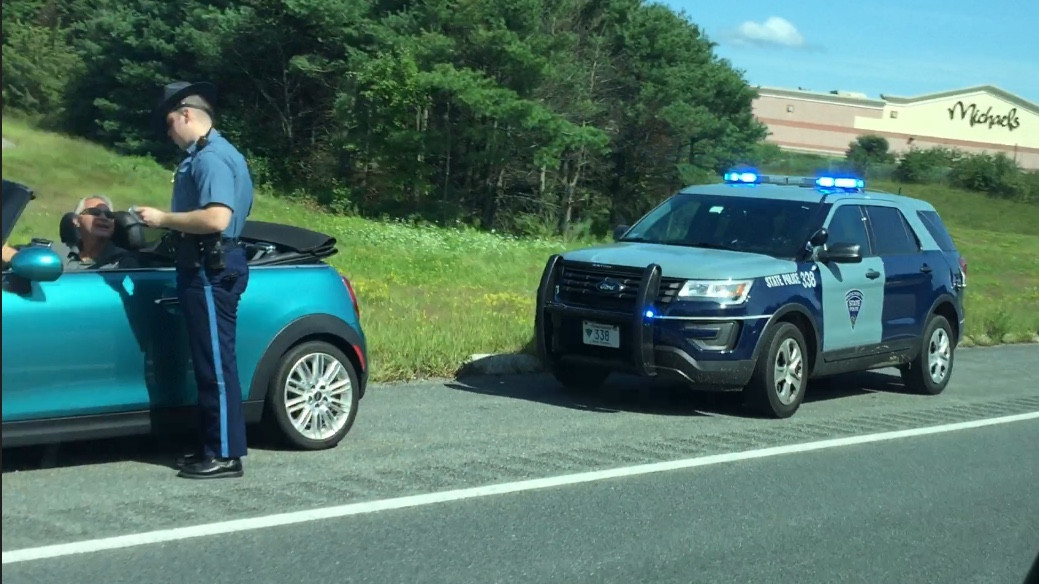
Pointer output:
195, 251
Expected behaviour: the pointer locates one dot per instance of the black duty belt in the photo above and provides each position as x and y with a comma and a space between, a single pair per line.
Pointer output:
193, 251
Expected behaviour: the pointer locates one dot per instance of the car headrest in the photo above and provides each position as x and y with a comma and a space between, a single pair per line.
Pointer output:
67, 231
130, 232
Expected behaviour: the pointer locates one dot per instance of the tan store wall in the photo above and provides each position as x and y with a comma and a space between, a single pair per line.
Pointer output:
982, 119
816, 109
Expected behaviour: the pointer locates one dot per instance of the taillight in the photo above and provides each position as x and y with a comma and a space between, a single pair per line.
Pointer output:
353, 296
963, 271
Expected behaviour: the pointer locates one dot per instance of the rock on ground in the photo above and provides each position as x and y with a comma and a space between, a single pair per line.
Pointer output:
500, 364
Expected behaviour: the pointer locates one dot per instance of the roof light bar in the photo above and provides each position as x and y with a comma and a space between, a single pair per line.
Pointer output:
828, 182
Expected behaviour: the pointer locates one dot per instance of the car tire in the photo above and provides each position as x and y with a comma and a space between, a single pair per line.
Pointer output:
580, 377
299, 424
930, 371
777, 386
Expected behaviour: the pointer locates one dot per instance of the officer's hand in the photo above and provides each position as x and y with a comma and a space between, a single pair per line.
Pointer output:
151, 216
9, 253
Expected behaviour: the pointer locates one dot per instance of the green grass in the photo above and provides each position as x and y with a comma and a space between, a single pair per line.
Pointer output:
430, 297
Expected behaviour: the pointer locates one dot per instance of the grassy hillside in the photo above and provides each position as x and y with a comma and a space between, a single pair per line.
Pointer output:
430, 297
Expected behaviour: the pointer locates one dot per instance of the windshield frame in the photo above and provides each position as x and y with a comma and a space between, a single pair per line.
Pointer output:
809, 220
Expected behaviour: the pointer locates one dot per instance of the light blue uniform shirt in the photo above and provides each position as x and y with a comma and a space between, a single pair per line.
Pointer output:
215, 173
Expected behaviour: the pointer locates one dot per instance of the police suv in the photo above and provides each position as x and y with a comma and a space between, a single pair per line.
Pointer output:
760, 283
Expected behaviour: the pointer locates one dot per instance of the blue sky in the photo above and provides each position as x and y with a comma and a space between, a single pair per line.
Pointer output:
903, 48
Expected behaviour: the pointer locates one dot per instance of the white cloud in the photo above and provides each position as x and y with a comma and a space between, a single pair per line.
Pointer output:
774, 31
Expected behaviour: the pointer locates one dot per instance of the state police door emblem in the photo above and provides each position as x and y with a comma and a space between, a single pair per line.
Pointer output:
854, 301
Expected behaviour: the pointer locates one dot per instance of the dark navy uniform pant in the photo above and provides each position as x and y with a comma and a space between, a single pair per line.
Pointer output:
209, 301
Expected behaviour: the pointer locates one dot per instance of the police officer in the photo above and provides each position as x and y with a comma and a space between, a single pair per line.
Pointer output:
212, 197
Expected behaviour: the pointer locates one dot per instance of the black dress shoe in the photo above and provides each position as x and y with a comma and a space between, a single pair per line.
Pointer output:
190, 458
212, 468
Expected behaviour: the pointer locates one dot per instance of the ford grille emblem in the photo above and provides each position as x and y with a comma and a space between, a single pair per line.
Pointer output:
610, 285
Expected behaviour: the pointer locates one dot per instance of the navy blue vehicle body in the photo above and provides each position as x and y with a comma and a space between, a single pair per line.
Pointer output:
859, 272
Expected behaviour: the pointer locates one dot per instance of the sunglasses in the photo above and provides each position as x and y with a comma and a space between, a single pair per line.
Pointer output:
99, 212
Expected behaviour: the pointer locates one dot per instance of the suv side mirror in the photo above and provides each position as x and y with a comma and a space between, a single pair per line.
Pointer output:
819, 237
37, 264
619, 231
841, 253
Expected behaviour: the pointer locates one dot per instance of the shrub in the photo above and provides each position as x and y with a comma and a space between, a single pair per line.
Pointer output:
996, 174
926, 166
866, 151
1027, 187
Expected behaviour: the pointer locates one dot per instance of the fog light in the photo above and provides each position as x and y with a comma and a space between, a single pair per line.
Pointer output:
714, 336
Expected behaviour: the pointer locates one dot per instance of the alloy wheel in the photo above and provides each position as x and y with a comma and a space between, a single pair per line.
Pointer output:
789, 372
318, 396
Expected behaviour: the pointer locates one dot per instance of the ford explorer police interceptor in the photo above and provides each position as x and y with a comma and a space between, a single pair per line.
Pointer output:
759, 284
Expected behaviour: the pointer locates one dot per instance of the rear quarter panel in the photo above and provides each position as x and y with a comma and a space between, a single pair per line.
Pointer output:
279, 295
945, 263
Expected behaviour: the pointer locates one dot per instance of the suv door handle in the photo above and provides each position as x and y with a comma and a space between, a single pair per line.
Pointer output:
872, 274
167, 301
925, 269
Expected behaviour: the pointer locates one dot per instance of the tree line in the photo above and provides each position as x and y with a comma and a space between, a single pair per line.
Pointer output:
530, 116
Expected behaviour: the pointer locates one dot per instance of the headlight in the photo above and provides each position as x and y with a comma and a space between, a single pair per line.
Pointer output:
724, 291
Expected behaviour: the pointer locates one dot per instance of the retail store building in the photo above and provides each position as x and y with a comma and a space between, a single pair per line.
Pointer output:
974, 119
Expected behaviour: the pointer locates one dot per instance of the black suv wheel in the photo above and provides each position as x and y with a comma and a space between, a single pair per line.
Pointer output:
777, 387
930, 372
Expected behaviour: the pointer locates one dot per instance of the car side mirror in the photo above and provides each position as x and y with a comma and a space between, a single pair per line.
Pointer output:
841, 253
37, 264
819, 237
619, 231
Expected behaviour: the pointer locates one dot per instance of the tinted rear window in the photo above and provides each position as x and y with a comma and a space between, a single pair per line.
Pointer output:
892, 235
934, 225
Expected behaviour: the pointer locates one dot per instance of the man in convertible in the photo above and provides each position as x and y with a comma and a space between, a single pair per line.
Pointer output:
86, 238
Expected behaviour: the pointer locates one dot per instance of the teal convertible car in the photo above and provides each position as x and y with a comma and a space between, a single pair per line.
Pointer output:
91, 353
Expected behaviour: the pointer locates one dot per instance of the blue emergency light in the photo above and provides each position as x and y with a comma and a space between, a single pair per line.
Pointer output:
835, 182
741, 177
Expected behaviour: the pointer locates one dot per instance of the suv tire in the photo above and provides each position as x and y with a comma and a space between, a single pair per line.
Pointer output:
930, 371
780, 377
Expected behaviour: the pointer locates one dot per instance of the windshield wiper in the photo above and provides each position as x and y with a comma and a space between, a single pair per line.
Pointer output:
707, 245
703, 244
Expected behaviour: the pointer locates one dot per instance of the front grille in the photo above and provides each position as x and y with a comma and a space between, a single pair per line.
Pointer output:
669, 288
613, 288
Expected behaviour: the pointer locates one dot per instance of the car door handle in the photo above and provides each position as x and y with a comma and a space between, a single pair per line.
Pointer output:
925, 269
168, 301
872, 274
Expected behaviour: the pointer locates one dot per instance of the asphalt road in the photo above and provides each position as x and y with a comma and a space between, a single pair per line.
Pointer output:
953, 508
964, 498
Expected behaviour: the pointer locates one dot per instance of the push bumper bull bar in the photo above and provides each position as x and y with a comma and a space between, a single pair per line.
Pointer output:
642, 359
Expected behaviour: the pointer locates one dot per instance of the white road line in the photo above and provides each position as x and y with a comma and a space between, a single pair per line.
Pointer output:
209, 529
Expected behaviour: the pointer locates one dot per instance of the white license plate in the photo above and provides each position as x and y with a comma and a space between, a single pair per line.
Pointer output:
602, 335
